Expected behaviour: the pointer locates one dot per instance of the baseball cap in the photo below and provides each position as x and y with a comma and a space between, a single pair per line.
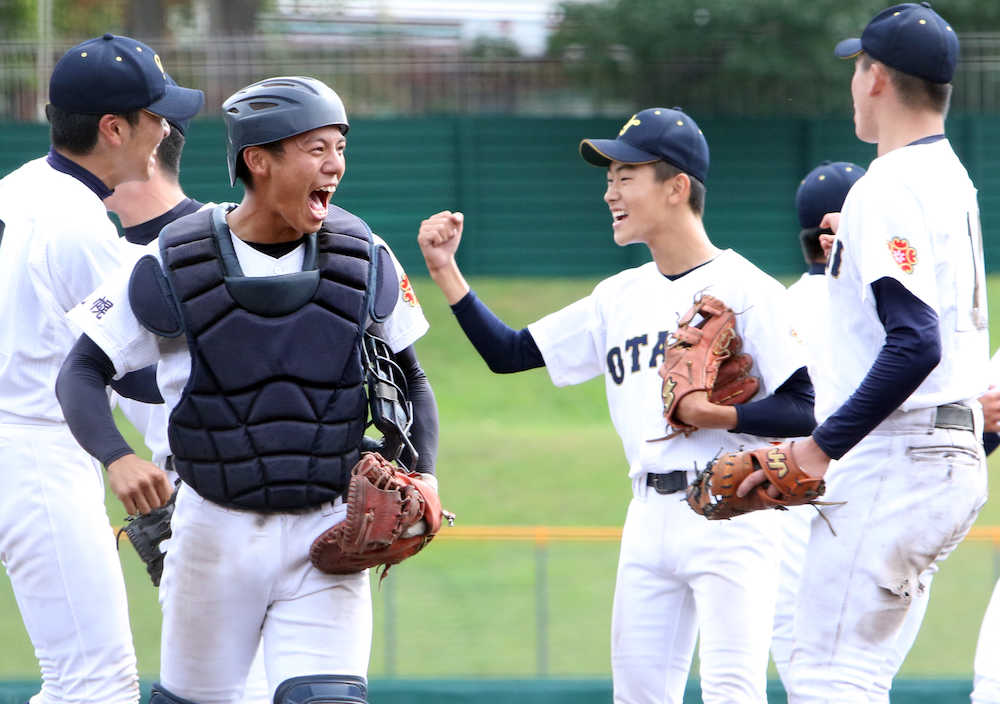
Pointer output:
911, 38
114, 74
823, 191
655, 134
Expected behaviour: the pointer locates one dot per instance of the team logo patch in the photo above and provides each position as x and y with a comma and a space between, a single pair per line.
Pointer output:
406, 290
776, 461
903, 254
101, 306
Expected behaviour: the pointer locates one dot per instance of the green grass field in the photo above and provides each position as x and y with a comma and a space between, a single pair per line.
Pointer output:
517, 451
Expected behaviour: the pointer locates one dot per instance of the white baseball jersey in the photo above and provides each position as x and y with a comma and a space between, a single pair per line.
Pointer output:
56, 542
621, 330
51, 258
891, 227
130, 346
678, 574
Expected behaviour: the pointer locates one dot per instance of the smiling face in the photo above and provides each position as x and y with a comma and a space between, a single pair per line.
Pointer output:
640, 205
297, 183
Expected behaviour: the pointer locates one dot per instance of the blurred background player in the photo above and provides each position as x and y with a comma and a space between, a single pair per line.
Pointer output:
680, 577
108, 97
907, 335
821, 191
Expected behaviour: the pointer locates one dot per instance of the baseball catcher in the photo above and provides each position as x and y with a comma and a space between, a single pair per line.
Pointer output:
391, 515
705, 355
713, 493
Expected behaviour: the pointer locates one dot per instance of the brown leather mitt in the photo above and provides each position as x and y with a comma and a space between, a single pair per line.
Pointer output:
713, 492
705, 355
385, 508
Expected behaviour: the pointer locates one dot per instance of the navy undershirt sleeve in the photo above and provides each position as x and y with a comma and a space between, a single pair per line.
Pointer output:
81, 388
424, 430
139, 385
911, 351
504, 349
787, 413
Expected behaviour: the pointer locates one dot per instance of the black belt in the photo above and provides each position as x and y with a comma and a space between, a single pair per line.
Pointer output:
668, 483
953, 416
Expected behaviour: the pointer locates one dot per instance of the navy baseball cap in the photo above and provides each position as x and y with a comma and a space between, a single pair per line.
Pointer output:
823, 191
655, 134
114, 74
181, 125
911, 38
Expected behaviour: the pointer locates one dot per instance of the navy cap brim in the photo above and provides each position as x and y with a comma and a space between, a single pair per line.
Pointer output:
178, 104
601, 152
848, 48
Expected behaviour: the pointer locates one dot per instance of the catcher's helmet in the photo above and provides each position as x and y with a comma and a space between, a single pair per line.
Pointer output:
276, 108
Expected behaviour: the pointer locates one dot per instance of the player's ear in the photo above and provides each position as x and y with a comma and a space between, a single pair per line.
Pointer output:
679, 188
113, 128
258, 161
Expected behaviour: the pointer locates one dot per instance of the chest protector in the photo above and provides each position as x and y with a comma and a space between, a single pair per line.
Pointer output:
275, 408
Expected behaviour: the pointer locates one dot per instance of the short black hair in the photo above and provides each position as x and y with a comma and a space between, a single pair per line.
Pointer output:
243, 173
168, 154
77, 132
663, 170
913, 91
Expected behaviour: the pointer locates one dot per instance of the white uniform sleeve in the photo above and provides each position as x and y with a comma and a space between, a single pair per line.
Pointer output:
571, 342
406, 324
106, 317
75, 260
890, 241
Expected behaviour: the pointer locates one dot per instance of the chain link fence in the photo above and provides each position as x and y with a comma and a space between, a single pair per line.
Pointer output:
393, 77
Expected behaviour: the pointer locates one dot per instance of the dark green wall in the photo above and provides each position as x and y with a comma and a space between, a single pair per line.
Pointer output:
533, 207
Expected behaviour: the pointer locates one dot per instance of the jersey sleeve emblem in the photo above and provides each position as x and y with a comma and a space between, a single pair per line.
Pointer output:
903, 254
406, 291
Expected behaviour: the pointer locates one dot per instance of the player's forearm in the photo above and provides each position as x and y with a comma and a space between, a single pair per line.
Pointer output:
504, 349
424, 431
81, 389
911, 351
450, 280
787, 413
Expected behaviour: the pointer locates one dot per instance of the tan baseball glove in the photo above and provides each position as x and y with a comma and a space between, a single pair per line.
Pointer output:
391, 515
705, 355
713, 492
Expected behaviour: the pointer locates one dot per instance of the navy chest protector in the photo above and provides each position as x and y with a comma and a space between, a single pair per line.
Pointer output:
275, 408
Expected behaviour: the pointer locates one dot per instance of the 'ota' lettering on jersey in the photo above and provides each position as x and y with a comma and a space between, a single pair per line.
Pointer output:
903, 254
633, 354
101, 306
406, 291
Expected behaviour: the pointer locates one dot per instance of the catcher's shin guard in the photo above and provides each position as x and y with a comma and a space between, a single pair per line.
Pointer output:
322, 689
159, 695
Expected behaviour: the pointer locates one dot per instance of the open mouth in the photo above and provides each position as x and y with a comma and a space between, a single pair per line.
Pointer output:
618, 217
319, 200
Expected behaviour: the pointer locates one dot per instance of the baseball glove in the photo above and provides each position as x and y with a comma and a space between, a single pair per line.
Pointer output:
146, 531
713, 492
391, 515
705, 356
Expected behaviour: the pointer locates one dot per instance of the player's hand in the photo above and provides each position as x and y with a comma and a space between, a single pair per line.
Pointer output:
697, 411
807, 454
439, 237
139, 484
830, 221
991, 409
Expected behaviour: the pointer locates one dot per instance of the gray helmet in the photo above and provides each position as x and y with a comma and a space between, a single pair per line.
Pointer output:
276, 108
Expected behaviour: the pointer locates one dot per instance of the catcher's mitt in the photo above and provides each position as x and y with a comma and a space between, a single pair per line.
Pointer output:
713, 492
146, 531
391, 515
705, 356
